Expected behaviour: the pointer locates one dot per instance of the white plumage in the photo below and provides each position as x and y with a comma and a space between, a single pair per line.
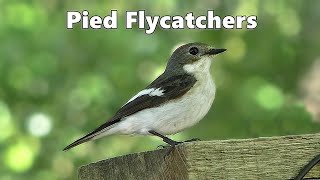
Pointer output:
150, 92
175, 115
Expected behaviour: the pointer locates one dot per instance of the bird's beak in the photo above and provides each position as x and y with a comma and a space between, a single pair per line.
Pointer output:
214, 51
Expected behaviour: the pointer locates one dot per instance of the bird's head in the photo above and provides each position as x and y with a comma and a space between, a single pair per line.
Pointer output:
192, 57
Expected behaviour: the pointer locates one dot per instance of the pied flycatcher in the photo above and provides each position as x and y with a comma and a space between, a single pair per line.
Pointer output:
178, 99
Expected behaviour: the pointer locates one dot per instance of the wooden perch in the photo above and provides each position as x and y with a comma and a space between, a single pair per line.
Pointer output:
260, 158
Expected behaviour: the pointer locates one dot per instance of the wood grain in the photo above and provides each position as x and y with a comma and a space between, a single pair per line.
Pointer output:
260, 158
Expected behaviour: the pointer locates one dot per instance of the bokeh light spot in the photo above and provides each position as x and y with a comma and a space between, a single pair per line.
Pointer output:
287, 18
247, 7
39, 124
269, 97
6, 126
32, 16
236, 49
62, 167
25, 21
289, 23
274, 7
19, 157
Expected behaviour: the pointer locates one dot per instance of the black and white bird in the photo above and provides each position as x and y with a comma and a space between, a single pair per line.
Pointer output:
178, 99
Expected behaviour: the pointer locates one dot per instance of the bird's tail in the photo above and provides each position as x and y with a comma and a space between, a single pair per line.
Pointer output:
93, 135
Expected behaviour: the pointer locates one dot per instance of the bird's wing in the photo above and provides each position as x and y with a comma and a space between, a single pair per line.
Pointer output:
158, 92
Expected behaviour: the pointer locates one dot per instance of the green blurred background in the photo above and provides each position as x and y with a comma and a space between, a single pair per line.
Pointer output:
57, 84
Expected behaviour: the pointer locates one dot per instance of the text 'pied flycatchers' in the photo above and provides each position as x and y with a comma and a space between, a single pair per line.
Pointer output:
178, 99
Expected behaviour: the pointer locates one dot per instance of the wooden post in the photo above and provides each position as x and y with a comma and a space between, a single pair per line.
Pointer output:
260, 158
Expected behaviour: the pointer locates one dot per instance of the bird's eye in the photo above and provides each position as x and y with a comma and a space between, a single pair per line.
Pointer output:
193, 50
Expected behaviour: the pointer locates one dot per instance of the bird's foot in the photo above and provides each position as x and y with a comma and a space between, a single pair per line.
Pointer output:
173, 145
190, 140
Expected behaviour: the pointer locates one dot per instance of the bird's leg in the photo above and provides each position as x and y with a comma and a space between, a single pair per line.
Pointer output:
164, 138
167, 140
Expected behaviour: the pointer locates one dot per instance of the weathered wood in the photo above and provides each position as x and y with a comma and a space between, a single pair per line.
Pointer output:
260, 158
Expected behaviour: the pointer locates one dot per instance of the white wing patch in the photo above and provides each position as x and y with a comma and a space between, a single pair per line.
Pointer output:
156, 92
150, 92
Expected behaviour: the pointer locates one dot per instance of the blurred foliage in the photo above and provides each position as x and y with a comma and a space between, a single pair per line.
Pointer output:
57, 84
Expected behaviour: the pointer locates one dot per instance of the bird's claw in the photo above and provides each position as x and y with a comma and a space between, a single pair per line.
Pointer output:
173, 145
